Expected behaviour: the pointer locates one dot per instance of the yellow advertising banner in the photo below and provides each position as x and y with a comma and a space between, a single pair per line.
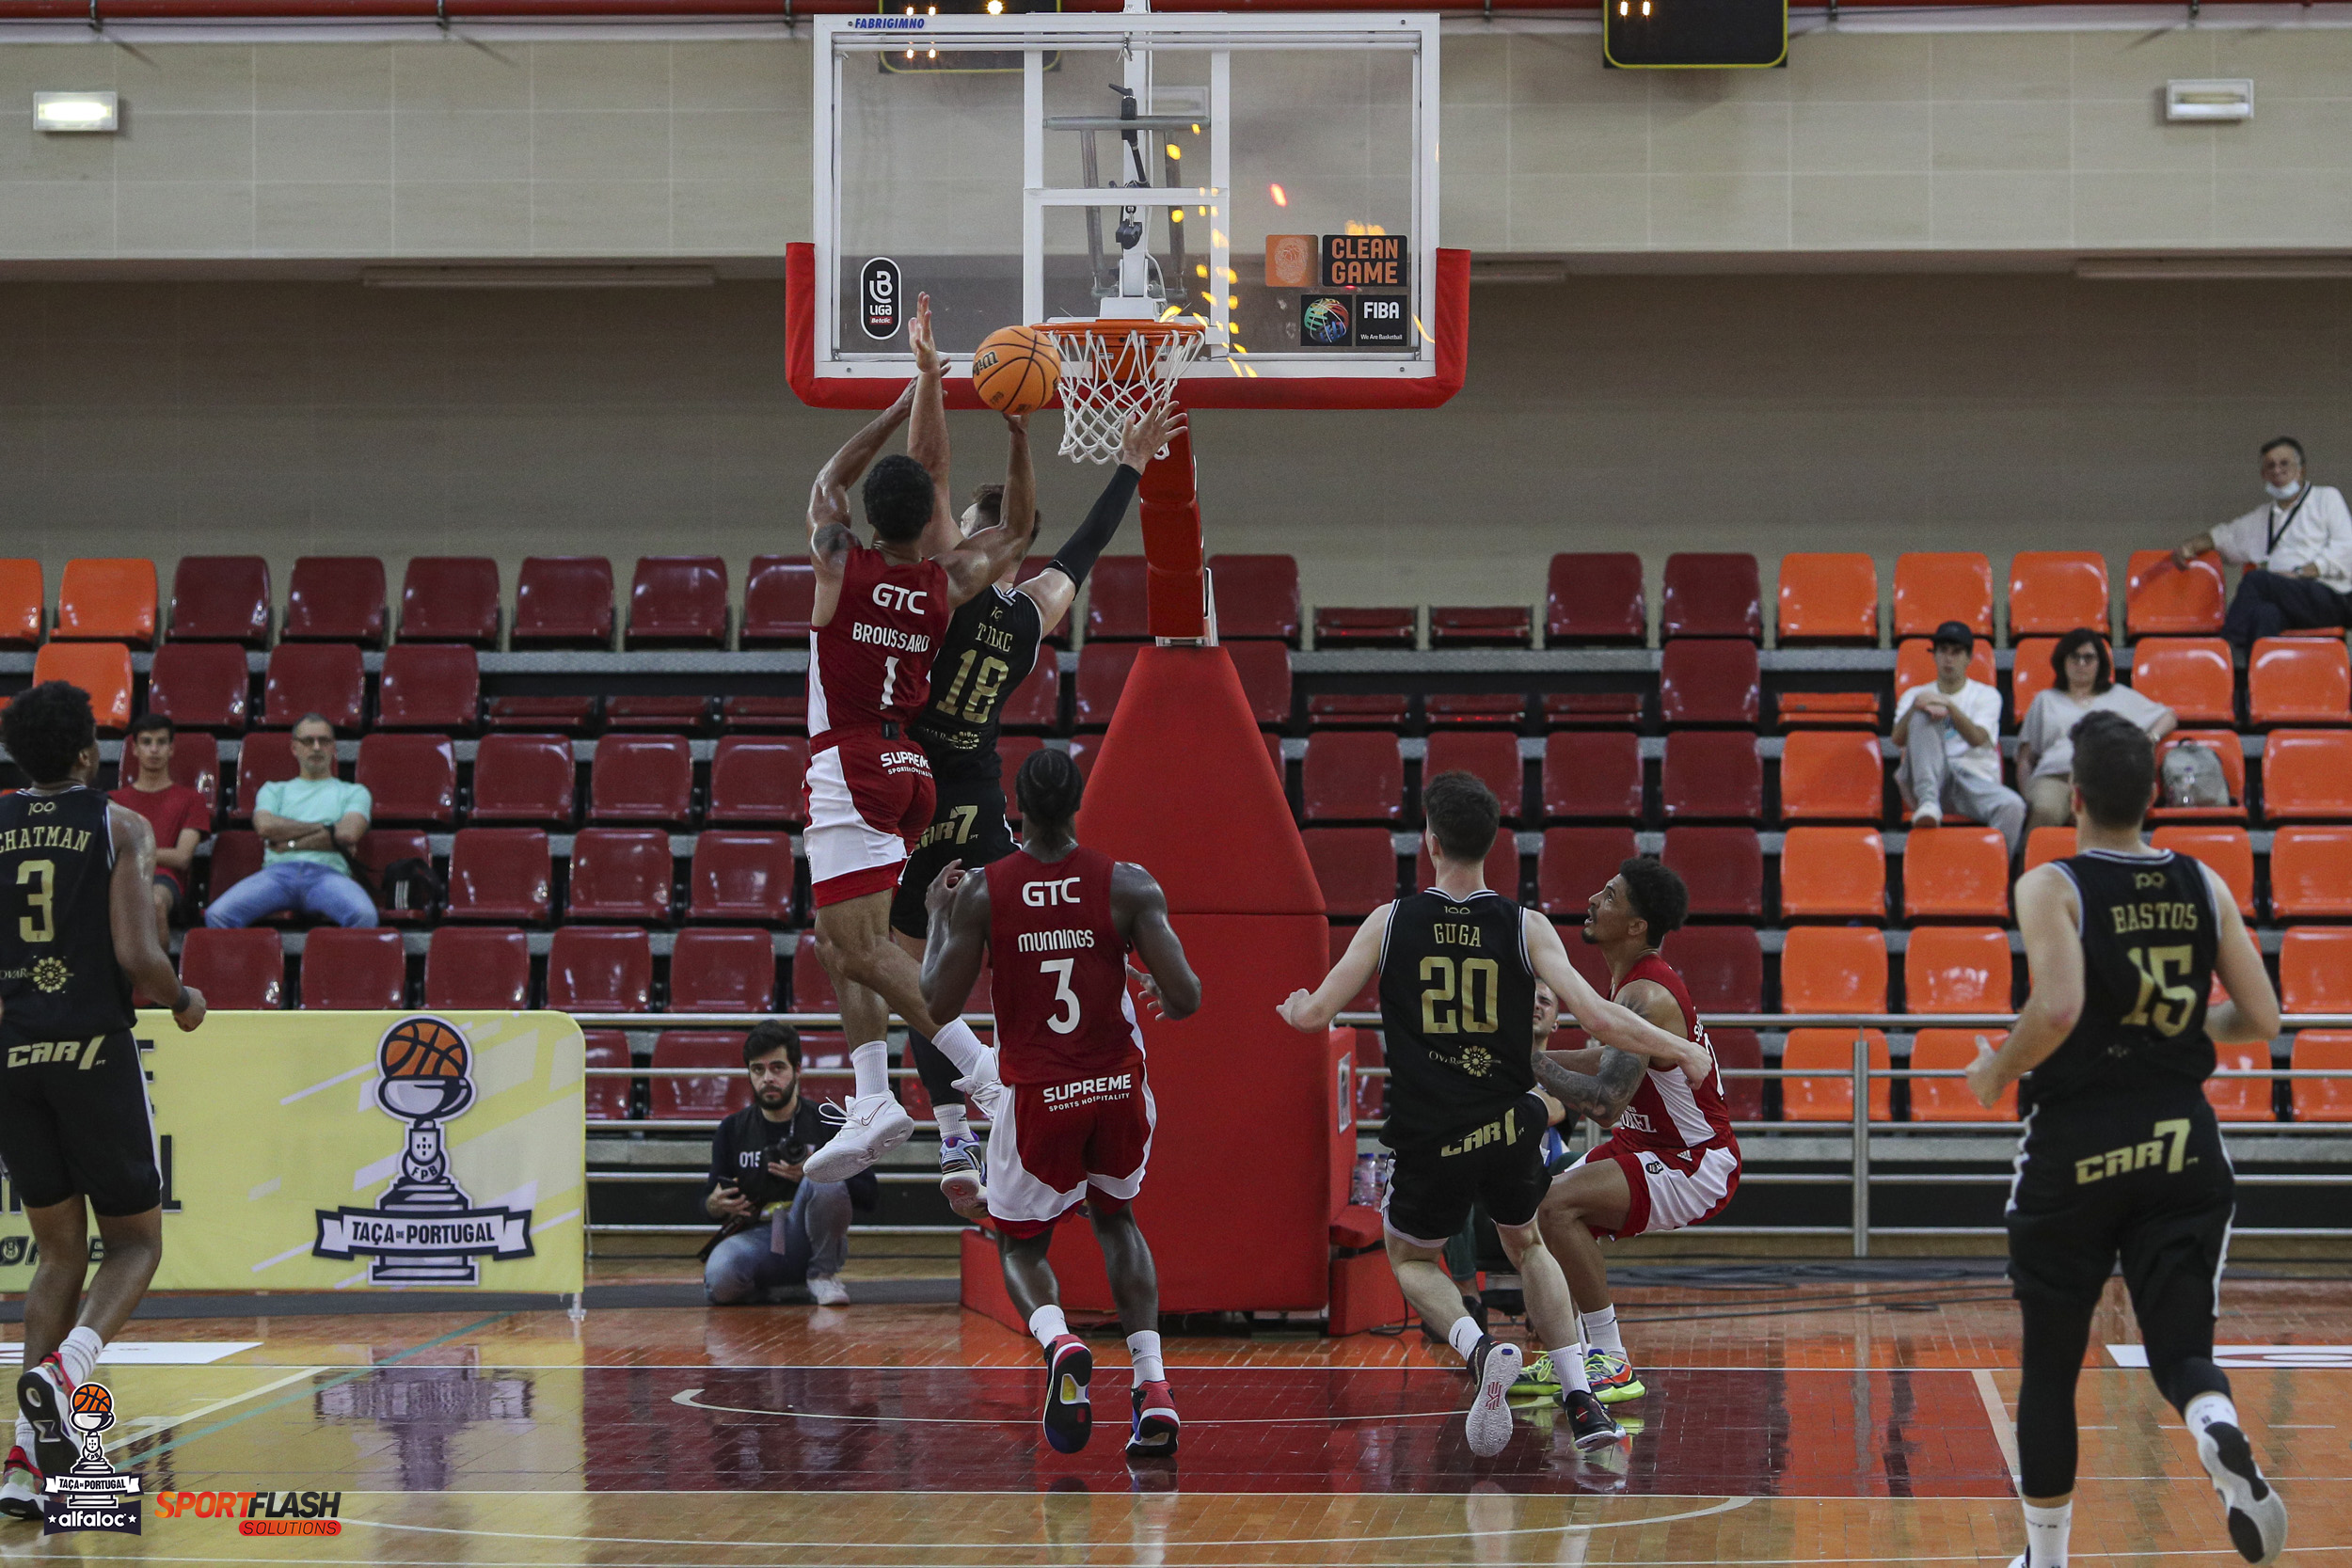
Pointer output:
327, 1151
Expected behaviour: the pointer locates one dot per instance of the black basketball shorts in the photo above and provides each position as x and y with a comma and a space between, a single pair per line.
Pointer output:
2148, 1183
1499, 1163
74, 1122
967, 825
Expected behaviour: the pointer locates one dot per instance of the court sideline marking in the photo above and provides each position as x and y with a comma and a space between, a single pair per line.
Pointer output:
2004, 1430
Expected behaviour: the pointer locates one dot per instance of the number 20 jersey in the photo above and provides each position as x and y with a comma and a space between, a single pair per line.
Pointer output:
1058, 967
1457, 1014
2149, 937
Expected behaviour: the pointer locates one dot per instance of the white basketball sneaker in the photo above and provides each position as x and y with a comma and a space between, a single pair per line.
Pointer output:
983, 1088
871, 1126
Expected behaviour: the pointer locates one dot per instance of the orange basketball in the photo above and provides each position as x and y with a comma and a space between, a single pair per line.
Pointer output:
91, 1395
423, 1048
1016, 370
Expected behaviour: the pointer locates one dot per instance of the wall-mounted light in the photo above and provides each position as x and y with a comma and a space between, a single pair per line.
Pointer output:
76, 111
2217, 99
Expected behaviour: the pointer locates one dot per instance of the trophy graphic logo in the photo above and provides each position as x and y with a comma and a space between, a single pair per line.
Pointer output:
425, 1230
92, 1494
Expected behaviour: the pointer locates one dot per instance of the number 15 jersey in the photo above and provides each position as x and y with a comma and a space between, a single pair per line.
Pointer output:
2149, 937
1457, 1012
1058, 968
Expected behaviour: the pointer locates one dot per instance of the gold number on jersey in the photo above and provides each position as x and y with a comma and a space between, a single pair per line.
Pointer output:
1439, 1014
985, 689
43, 898
2165, 1005
965, 816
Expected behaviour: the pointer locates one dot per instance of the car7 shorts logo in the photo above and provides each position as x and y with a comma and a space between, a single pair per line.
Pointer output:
93, 1495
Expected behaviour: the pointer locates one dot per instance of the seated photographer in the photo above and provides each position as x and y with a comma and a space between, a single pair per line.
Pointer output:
776, 1228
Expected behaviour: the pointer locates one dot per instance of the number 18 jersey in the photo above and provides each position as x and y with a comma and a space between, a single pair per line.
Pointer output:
1457, 1013
1058, 967
2149, 937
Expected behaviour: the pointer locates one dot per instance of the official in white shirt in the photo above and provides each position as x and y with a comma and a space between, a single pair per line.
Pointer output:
1949, 735
2300, 546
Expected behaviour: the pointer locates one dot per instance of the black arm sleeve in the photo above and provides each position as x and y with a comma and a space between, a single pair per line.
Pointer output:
1075, 559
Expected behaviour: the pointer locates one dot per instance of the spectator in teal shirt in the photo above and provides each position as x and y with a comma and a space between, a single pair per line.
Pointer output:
308, 825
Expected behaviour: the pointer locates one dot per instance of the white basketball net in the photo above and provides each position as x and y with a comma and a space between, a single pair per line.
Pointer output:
1111, 371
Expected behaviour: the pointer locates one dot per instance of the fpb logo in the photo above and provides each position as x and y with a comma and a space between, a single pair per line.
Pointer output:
879, 293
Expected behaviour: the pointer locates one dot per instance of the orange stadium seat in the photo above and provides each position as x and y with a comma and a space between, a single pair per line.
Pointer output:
2053, 591
722, 971
1502, 862
562, 601
1831, 776
1829, 1096
812, 987
1955, 872
221, 598
1956, 969
2307, 776
361, 969
620, 874
379, 847
2030, 675
1709, 681
1722, 867
2323, 1098
1933, 587
1594, 598
264, 756
1826, 709
500, 874
741, 877
607, 1098
101, 668
2315, 970
24, 599
778, 598
235, 969
1833, 873
1353, 776
2230, 749
523, 778
1712, 596
107, 601
430, 686
487, 968
1116, 607
758, 780
196, 762
2162, 600
594, 971
1036, 703
1257, 595
678, 601
1592, 775
1833, 969
1355, 866
2242, 1099
410, 778
1366, 627
2296, 680
1829, 598
1508, 625
1949, 1099
1575, 864
726, 1091
336, 598
1102, 676
451, 598
200, 686
2311, 873
2191, 675
1491, 755
1712, 775
2228, 852
1914, 664
325, 678
642, 778
1264, 668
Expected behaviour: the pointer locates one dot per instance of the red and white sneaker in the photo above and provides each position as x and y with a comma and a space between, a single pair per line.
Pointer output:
1154, 1435
44, 1393
20, 1494
1069, 1411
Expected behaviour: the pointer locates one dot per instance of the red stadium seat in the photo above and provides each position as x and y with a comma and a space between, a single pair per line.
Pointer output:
592, 971
812, 988
620, 874
451, 598
667, 714
523, 778
722, 971
2323, 1098
1955, 872
101, 668
1829, 1096
1115, 609
236, 855
500, 874
361, 969
1723, 868
1723, 965
1491, 755
2311, 872
764, 715
2307, 776
2315, 970
1385, 710
1712, 775
2241, 1098
264, 756
1957, 969
2163, 600
1036, 703
742, 878
678, 601
2030, 675
430, 686
336, 598
642, 778
410, 778
1829, 598
24, 603
1712, 596
2053, 591
1474, 711
325, 678
1011, 751
1102, 676
1573, 864
489, 968
1834, 874
1264, 668
1950, 1099
235, 969
1257, 595
200, 686
381, 848
221, 598
1933, 587
2229, 852
1481, 626
107, 601
1594, 599
1353, 776
1831, 776
564, 601
1826, 709
1356, 868
2230, 749
2191, 675
545, 714
196, 762
778, 599
1592, 775
1833, 969
1347, 626
759, 780
723, 1094
608, 1098
1709, 681
2295, 680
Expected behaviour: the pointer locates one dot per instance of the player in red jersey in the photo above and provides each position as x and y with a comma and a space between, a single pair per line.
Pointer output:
1073, 1117
877, 621
1670, 1161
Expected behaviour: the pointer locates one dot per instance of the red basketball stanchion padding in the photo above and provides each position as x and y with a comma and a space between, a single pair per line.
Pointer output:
1169, 511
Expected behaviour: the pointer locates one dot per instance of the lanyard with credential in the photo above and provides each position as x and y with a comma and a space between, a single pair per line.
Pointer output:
2285, 523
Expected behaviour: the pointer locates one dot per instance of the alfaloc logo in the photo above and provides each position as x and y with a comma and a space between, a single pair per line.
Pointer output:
92, 1494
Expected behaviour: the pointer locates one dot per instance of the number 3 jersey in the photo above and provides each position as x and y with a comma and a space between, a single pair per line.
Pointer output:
1058, 967
2149, 936
58, 977
1457, 1014
990, 649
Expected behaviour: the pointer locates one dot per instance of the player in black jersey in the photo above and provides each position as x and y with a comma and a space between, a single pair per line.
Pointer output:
990, 648
77, 930
1458, 967
2120, 1154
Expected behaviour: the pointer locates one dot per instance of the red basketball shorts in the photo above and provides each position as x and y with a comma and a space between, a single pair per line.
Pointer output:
869, 798
1052, 1143
1669, 1189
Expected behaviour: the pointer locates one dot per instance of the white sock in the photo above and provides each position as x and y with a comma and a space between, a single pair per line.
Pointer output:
1047, 1325
1569, 1366
2209, 1409
1600, 1330
1464, 1336
1144, 1351
960, 1045
953, 1125
872, 1063
2045, 1534
80, 1352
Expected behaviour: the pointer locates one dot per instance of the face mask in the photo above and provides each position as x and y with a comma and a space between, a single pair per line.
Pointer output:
2282, 491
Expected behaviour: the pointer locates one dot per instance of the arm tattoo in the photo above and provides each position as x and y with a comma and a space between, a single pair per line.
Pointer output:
1601, 1096
833, 541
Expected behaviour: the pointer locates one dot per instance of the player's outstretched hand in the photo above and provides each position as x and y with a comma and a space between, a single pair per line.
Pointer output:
1017, 423
943, 888
1983, 1079
1151, 430
193, 1014
1294, 1010
927, 356
1151, 989
1696, 1062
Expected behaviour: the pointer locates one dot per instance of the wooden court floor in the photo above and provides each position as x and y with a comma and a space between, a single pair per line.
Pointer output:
1813, 1422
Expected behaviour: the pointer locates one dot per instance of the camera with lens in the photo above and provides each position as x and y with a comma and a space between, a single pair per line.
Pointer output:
763, 1186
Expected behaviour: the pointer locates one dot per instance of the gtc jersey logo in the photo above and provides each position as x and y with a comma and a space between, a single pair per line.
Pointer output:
889, 595
1039, 895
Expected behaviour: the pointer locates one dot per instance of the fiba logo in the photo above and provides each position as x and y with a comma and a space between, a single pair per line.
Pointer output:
1324, 320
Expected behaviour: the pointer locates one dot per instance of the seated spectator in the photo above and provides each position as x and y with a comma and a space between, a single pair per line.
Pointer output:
1950, 758
2300, 548
778, 1229
180, 816
310, 828
2045, 745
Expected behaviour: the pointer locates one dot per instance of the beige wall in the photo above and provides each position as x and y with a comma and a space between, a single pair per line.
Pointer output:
1882, 413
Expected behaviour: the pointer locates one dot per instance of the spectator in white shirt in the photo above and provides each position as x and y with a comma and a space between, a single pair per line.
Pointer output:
2045, 741
1951, 756
2300, 548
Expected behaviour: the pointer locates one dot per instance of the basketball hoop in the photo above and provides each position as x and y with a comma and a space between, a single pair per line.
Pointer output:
1111, 371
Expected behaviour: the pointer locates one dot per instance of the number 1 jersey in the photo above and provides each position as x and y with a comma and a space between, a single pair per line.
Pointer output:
1058, 968
2149, 937
872, 664
1457, 1014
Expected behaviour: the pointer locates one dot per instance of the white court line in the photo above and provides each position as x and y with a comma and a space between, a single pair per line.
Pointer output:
147, 1426
2004, 1430
686, 1397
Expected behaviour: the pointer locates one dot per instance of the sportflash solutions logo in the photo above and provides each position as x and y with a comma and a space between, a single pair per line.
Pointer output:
259, 1512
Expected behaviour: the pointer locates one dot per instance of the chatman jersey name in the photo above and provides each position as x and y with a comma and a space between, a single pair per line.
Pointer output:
17, 840
2168, 916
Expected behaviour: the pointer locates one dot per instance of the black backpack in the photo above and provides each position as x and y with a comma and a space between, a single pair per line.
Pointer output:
411, 886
